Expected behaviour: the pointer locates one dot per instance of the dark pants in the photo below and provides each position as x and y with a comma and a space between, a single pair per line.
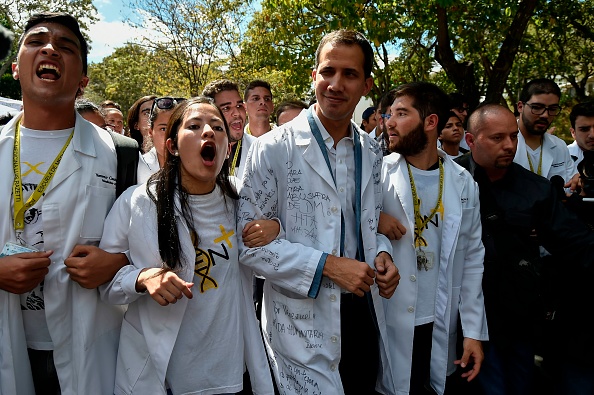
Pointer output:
421, 360
45, 377
359, 360
507, 370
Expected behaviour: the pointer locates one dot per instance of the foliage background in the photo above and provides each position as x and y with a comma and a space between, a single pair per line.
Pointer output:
486, 49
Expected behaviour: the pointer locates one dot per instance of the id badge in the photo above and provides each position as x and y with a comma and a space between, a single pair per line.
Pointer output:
13, 248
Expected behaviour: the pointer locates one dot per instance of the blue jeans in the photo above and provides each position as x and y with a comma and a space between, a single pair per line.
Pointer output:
507, 370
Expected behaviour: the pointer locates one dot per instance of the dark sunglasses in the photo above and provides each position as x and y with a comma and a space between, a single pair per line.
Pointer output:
166, 103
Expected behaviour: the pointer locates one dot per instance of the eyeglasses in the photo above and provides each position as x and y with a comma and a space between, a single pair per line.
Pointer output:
462, 109
539, 109
386, 116
166, 103
228, 108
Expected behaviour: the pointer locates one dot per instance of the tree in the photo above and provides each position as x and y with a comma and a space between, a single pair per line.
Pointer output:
192, 35
133, 71
477, 43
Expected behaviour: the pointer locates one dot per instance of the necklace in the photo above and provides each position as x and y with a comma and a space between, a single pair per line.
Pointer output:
423, 261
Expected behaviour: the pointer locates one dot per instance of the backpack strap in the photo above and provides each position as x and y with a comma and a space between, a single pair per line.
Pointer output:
127, 155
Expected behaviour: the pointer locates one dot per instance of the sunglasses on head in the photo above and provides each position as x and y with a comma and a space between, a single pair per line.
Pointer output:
167, 103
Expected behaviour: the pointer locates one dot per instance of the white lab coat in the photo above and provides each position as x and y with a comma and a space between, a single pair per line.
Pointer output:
84, 330
556, 159
287, 171
145, 350
459, 289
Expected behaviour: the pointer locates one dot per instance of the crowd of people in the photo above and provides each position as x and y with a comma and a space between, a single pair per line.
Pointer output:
431, 250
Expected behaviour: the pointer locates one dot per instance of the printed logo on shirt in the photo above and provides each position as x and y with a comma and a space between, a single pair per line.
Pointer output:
205, 260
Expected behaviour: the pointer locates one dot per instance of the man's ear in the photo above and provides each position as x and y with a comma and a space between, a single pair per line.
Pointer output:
431, 122
469, 140
15, 70
520, 106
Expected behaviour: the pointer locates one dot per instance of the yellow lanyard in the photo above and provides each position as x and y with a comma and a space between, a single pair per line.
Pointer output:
539, 170
17, 189
235, 156
419, 222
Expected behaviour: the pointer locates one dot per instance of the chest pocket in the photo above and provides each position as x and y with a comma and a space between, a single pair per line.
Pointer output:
97, 203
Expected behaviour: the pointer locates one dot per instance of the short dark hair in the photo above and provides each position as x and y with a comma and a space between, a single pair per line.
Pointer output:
349, 38
83, 105
386, 101
218, 86
369, 111
427, 99
65, 20
289, 104
255, 84
585, 109
457, 100
539, 86
110, 103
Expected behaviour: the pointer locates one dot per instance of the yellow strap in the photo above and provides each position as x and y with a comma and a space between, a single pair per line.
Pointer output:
235, 155
419, 222
17, 190
539, 170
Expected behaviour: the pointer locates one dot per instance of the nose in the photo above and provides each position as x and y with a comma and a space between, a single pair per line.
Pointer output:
207, 131
508, 143
336, 82
389, 122
48, 49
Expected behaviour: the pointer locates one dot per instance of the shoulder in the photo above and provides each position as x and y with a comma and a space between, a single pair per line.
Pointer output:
555, 141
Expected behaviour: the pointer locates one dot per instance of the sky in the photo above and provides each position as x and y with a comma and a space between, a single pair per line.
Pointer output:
110, 32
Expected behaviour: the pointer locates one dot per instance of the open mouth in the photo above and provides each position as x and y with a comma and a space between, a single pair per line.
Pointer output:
208, 152
48, 72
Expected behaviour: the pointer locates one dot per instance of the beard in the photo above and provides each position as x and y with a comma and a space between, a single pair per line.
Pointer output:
411, 144
531, 126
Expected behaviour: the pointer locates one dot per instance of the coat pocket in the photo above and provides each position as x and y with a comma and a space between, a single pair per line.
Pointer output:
289, 326
133, 361
98, 202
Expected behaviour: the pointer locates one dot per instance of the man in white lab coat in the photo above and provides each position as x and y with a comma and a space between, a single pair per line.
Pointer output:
57, 185
440, 256
319, 175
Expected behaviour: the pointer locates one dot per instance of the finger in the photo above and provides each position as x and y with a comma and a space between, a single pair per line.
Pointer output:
159, 299
187, 290
80, 250
248, 227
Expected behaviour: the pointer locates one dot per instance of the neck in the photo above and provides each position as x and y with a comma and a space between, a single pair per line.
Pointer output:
46, 118
450, 148
338, 129
426, 158
495, 174
259, 126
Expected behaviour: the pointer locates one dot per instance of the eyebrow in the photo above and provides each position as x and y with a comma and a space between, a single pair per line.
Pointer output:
41, 33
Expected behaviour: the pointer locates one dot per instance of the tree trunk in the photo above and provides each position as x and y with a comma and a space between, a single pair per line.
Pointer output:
508, 51
461, 73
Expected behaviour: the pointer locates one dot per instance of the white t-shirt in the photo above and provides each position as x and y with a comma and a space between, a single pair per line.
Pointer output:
39, 149
427, 186
208, 354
